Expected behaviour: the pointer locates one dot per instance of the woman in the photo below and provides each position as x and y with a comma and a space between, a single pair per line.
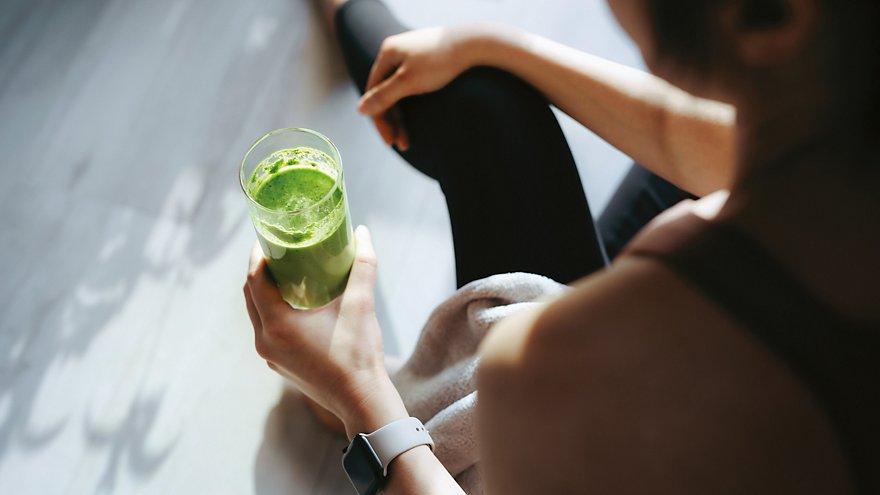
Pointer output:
732, 346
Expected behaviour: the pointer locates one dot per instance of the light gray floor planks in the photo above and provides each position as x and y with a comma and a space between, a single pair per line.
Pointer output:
126, 360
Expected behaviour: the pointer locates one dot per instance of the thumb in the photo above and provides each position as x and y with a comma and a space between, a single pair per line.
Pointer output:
363, 271
359, 291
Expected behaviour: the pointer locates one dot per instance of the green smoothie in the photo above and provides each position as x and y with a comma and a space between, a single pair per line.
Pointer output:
304, 229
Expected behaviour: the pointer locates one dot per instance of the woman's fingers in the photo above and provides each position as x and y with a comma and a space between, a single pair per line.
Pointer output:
386, 129
383, 90
401, 138
252, 310
386, 94
259, 343
264, 293
358, 295
391, 128
386, 64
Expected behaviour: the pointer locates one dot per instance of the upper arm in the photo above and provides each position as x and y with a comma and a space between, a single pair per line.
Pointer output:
632, 383
682, 138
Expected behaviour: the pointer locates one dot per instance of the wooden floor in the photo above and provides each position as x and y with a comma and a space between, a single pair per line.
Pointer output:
126, 358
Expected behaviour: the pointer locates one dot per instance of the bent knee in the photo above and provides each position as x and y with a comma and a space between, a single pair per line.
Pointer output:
480, 104
492, 115
492, 95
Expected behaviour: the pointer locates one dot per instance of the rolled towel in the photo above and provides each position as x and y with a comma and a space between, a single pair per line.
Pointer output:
438, 383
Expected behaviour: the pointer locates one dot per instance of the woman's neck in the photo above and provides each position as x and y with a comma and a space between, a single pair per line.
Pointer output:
771, 142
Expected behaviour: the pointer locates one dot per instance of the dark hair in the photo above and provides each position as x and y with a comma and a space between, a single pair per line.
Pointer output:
683, 29
684, 32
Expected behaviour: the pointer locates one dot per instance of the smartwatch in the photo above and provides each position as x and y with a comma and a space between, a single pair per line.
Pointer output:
366, 459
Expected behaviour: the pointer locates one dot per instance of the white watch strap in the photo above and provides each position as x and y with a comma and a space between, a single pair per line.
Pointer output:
396, 438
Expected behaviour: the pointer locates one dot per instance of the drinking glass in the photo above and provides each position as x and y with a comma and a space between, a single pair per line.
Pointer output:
309, 248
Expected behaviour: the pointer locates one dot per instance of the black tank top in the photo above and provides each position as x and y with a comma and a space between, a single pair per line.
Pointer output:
837, 357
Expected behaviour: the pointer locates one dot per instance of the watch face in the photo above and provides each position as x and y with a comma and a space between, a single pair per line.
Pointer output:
362, 466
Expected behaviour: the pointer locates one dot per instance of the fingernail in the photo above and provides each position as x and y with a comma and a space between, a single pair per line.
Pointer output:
368, 108
364, 104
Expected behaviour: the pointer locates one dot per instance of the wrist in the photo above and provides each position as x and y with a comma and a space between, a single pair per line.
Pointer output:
373, 405
486, 43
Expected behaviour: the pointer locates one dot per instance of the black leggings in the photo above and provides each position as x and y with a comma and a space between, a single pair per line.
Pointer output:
512, 189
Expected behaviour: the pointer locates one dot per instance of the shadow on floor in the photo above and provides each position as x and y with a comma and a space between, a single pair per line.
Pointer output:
296, 454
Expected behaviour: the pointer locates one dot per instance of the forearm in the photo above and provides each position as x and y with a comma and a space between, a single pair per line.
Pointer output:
416, 471
687, 140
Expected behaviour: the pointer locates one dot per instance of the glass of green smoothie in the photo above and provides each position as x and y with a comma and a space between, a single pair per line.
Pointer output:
296, 194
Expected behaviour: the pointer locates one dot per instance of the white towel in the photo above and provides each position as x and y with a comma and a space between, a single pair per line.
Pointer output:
437, 382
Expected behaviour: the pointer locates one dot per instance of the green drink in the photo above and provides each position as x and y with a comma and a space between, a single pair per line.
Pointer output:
296, 194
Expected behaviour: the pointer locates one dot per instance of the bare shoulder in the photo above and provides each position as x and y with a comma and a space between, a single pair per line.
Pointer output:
634, 383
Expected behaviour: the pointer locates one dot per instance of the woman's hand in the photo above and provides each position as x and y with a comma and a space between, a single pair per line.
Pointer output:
413, 63
333, 354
